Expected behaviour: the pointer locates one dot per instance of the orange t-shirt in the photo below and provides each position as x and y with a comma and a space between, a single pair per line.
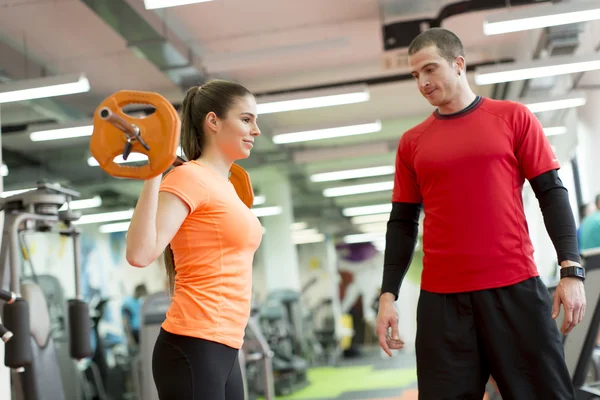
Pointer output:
213, 251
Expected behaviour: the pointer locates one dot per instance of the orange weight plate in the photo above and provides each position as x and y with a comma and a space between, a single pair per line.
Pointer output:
241, 182
160, 131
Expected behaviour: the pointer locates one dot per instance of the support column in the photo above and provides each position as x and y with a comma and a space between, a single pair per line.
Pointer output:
280, 256
5, 387
589, 146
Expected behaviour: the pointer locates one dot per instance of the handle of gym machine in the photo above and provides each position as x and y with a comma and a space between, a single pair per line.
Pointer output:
80, 344
18, 352
7, 296
5, 334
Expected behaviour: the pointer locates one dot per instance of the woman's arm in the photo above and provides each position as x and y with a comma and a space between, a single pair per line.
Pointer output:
156, 219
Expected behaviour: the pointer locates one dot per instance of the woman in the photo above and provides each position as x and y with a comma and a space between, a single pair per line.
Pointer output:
210, 238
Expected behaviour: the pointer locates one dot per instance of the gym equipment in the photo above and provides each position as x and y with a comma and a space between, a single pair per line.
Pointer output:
31, 352
115, 132
257, 366
114, 380
153, 315
581, 342
156, 135
280, 319
8, 297
241, 182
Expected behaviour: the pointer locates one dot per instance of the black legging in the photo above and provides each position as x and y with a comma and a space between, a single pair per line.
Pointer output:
186, 368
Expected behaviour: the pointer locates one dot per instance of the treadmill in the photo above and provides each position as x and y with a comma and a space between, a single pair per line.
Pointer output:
580, 344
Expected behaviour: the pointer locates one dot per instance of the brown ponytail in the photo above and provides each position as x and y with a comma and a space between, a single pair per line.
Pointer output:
217, 96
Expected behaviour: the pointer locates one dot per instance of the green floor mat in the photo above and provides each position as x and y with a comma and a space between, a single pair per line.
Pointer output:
331, 382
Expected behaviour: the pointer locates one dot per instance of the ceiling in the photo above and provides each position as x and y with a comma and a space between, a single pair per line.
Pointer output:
270, 46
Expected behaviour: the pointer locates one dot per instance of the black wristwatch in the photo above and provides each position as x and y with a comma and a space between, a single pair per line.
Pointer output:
573, 272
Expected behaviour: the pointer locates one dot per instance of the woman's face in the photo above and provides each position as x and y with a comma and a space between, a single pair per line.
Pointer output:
237, 131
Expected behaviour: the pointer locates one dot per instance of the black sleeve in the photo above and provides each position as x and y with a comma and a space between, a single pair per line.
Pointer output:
400, 239
558, 216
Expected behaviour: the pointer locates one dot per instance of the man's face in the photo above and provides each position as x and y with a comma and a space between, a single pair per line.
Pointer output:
437, 79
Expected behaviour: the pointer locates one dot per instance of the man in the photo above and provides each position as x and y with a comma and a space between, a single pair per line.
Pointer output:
483, 309
131, 309
589, 231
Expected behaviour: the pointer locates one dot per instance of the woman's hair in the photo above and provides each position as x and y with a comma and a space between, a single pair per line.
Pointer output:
217, 96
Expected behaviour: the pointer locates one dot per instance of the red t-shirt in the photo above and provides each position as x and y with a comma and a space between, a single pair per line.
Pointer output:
468, 170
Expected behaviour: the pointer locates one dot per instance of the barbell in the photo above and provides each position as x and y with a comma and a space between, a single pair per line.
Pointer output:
156, 135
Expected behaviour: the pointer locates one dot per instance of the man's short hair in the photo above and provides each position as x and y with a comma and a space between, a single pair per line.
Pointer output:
598, 201
448, 44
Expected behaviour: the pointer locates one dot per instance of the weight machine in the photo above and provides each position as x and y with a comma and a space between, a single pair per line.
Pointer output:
580, 343
29, 348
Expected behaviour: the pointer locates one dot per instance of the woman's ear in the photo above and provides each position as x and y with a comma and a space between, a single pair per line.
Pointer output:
212, 122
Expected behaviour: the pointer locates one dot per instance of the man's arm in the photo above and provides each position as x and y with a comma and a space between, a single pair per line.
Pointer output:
560, 224
558, 217
401, 237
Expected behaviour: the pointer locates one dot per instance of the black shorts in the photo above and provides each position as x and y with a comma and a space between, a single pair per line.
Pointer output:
186, 368
507, 333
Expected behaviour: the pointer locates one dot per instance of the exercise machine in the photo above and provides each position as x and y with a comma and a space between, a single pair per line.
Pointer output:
254, 357
280, 318
580, 344
153, 314
31, 353
257, 364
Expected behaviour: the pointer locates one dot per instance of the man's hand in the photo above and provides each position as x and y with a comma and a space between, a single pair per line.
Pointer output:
571, 294
387, 318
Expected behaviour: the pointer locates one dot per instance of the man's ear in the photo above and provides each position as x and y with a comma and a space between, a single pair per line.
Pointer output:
460, 64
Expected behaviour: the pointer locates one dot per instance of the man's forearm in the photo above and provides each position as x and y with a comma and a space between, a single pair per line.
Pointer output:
554, 203
401, 236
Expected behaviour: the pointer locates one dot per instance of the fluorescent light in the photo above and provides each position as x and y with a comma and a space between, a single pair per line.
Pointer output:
4, 170
116, 227
358, 189
541, 16
353, 174
316, 238
258, 200
555, 130
266, 211
379, 245
61, 133
539, 68
305, 232
81, 204
327, 133
299, 226
10, 193
375, 227
313, 99
366, 210
305, 236
364, 237
105, 217
556, 104
154, 4
368, 219
38, 88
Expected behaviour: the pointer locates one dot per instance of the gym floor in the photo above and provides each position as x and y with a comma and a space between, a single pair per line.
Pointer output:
369, 377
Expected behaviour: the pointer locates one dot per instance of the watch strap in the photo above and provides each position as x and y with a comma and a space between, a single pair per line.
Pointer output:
573, 272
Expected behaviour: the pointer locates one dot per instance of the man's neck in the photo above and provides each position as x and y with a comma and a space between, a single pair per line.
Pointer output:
459, 103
